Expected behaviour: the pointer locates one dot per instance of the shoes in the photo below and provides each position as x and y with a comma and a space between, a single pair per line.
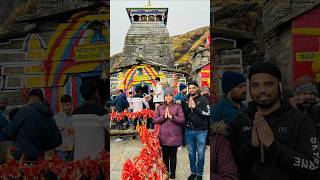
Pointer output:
118, 140
192, 177
172, 176
198, 178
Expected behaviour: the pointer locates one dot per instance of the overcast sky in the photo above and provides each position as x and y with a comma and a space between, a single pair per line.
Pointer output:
183, 16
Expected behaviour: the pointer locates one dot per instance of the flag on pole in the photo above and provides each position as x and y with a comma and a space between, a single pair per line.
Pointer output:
208, 41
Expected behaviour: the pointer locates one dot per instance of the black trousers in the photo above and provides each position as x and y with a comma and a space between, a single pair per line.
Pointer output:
150, 124
169, 154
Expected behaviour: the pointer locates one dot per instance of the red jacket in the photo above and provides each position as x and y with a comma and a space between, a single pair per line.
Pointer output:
170, 130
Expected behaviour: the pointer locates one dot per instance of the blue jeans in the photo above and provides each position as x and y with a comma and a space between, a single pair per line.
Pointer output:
196, 143
65, 155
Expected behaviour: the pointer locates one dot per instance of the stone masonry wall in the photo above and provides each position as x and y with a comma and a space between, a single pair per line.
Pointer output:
148, 42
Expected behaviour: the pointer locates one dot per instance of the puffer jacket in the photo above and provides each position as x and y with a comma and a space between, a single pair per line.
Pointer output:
170, 130
222, 165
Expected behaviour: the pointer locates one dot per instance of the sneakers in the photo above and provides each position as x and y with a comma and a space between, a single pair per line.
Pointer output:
192, 177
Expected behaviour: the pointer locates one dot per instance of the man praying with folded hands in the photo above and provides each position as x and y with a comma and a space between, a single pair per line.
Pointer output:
271, 140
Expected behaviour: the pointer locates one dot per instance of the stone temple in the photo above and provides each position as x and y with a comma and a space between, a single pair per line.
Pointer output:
148, 40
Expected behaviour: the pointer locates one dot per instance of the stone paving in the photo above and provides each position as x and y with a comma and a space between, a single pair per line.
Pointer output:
127, 149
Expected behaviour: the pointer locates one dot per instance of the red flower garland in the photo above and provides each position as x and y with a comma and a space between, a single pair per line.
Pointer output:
144, 114
148, 164
64, 170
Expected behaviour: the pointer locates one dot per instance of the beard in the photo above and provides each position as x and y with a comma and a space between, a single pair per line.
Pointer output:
306, 105
239, 99
267, 103
193, 93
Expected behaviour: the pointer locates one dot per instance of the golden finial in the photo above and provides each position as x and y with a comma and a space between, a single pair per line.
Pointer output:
148, 3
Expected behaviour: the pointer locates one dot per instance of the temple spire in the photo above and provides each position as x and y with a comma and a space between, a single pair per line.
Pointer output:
148, 4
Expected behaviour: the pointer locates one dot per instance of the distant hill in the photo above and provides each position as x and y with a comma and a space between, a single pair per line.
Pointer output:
184, 45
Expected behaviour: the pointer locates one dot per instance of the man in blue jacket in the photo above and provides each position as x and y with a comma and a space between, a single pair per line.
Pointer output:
33, 128
234, 89
120, 103
182, 96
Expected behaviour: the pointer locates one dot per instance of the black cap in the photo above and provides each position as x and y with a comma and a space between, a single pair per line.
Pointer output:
265, 67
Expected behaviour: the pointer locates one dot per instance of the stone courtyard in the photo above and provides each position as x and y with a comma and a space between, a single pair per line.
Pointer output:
127, 149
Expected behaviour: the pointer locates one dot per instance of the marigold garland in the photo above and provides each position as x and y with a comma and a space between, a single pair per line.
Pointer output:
148, 164
144, 114
64, 170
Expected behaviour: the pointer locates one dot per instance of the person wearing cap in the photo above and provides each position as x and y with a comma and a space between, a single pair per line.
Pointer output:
33, 128
234, 90
170, 117
205, 91
4, 120
271, 139
197, 112
305, 100
181, 96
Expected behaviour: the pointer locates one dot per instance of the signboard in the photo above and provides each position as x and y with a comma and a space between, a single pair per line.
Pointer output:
307, 56
306, 43
205, 76
91, 53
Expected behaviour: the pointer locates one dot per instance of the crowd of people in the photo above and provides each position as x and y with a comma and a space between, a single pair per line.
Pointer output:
259, 137
183, 116
263, 136
271, 136
34, 130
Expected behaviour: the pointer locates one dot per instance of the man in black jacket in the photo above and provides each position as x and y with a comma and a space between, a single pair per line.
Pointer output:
272, 140
33, 128
197, 112
305, 100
